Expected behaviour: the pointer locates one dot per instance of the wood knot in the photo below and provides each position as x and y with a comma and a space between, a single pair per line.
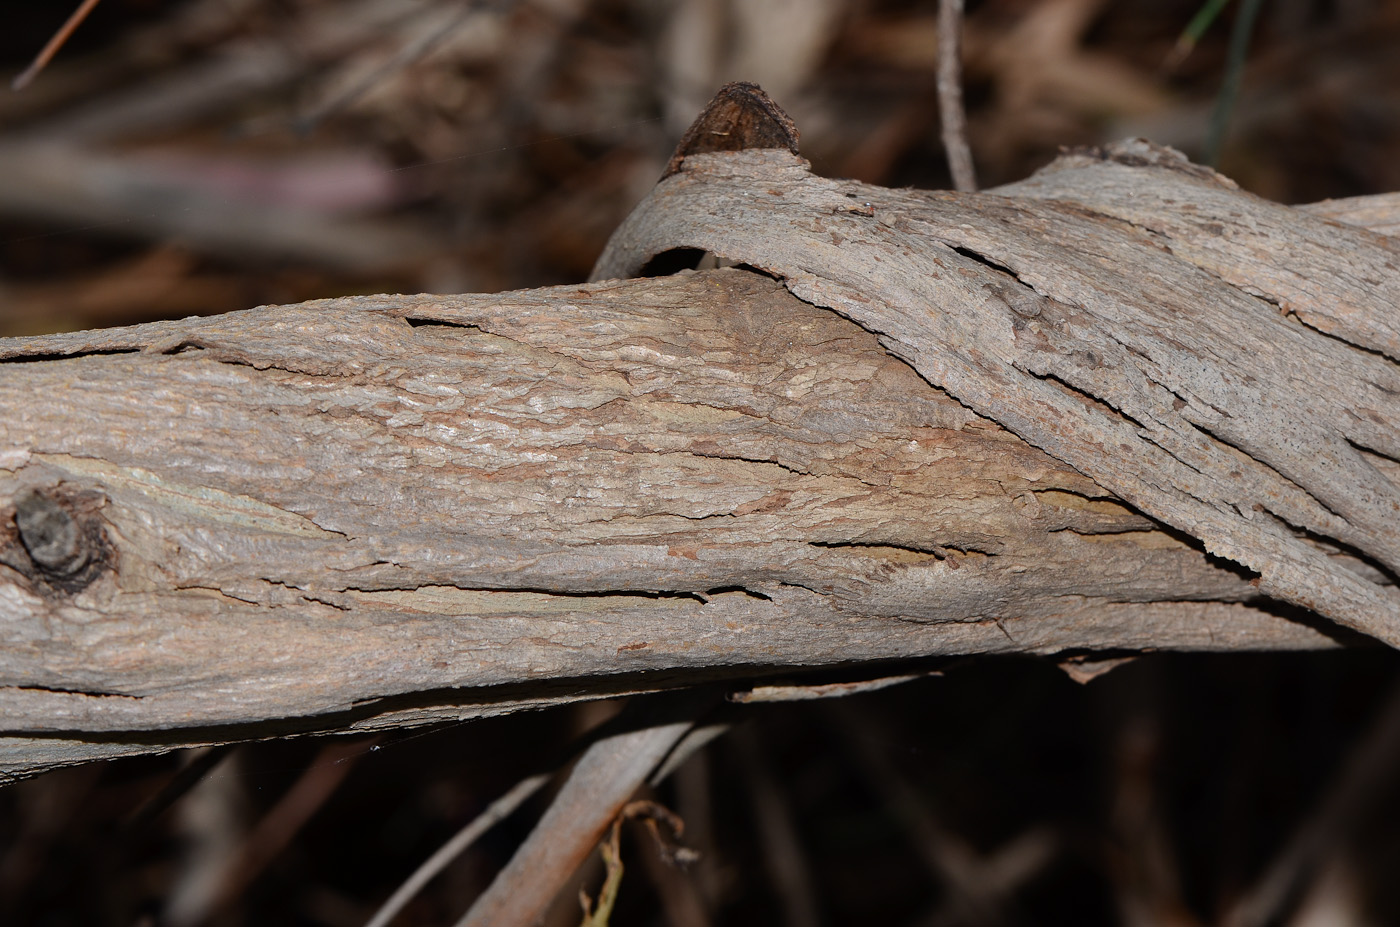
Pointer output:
60, 533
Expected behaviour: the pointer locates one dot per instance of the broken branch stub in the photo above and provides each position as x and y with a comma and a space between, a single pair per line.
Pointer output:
1223, 364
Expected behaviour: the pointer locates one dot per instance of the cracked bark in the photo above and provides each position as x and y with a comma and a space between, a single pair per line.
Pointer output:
1223, 364
382, 511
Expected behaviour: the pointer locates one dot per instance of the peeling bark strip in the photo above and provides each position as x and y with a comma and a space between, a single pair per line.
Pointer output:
389, 510
1224, 364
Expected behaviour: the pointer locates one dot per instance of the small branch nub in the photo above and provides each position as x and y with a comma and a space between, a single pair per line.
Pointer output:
58, 539
50, 534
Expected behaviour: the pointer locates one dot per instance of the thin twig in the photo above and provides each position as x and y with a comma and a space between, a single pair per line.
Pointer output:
504, 806
1186, 42
670, 868
976, 888
1230, 87
284, 820
950, 96
611, 851
497, 811
412, 50
55, 43
596, 790
200, 761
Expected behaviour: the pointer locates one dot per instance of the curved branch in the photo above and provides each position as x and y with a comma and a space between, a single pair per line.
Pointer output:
382, 511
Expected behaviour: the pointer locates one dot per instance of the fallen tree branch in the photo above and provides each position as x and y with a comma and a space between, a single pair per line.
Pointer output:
383, 511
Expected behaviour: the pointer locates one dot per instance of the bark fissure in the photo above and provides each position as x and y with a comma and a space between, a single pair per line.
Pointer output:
23, 357
939, 552
415, 321
1088, 397
632, 594
796, 471
1259, 457
1331, 546
60, 690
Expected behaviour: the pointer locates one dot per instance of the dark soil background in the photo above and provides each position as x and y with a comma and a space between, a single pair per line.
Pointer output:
205, 156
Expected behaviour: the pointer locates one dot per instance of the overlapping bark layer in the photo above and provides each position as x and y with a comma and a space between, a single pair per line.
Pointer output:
388, 510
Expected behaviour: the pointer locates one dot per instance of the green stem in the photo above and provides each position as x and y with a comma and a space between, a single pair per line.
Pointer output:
1230, 87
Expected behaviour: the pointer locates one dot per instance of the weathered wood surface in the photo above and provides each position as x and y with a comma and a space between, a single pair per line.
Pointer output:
387, 510
1104, 311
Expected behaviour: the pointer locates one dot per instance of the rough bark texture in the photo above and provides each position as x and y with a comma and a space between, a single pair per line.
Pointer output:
1105, 311
388, 510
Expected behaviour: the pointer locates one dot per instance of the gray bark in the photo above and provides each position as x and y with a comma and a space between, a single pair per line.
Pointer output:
386, 511
1223, 364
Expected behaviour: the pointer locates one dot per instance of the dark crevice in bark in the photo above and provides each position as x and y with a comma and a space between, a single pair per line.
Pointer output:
46, 357
1105, 530
727, 590
793, 584
694, 517
307, 597
668, 263
1363, 448
654, 594
1330, 546
1260, 462
1191, 541
1104, 496
1172, 454
420, 322
985, 261
767, 461
939, 552
87, 693
878, 546
1103, 405
1294, 316
1001, 626
1343, 635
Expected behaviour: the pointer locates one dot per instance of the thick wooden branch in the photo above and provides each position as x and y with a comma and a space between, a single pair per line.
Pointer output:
390, 510
1224, 364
